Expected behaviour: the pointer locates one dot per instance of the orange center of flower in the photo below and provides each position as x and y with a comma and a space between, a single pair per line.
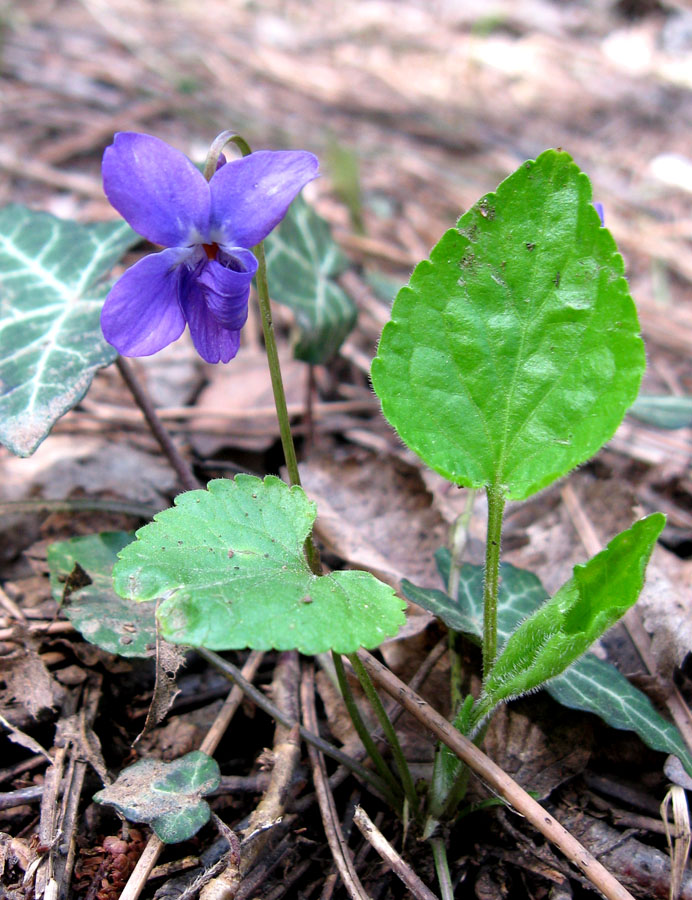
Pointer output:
211, 250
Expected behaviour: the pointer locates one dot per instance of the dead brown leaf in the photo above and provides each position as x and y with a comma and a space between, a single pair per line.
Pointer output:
245, 387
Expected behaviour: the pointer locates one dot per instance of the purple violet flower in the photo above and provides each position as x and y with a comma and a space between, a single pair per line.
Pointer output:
203, 278
599, 210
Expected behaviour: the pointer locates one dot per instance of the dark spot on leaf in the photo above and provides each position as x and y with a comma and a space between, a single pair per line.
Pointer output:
236, 568
530, 245
266, 556
231, 554
125, 639
557, 279
254, 496
306, 599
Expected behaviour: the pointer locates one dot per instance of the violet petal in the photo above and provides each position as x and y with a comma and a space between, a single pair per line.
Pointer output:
213, 342
250, 196
157, 190
141, 314
226, 289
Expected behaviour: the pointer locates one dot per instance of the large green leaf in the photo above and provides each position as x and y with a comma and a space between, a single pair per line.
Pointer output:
589, 684
514, 352
165, 795
230, 567
51, 293
303, 263
103, 618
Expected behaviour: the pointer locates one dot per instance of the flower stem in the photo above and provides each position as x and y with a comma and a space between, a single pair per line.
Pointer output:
217, 146
390, 733
279, 393
216, 149
496, 505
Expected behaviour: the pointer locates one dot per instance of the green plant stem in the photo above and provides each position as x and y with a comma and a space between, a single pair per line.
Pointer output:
279, 393
263, 702
390, 733
218, 144
496, 506
362, 728
442, 868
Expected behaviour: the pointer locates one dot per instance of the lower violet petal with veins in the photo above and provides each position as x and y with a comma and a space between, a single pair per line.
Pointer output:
204, 278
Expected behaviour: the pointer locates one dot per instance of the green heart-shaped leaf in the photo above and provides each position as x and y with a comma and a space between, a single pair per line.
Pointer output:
165, 795
230, 567
303, 263
514, 352
51, 294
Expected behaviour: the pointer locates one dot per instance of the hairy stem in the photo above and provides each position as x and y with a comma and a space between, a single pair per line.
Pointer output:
496, 505
442, 868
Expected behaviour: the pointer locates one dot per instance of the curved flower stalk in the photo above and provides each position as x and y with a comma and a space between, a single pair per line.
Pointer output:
203, 277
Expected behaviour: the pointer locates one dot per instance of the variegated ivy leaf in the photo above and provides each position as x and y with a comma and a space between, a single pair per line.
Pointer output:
165, 795
51, 291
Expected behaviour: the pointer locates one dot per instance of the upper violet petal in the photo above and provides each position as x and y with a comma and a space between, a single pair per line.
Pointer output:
213, 342
157, 190
225, 286
141, 314
250, 196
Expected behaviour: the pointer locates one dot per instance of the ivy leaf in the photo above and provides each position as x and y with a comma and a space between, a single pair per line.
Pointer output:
590, 684
663, 412
51, 293
303, 263
514, 352
96, 611
584, 608
166, 796
230, 567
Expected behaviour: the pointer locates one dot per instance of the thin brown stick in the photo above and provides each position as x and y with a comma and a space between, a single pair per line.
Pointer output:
143, 400
332, 826
400, 867
150, 855
271, 808
497, 779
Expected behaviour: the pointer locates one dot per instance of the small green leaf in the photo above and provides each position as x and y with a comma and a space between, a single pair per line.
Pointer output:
590, 684
96, 611
230, 567
303, 263
52, 290
557, 634
514, 352
663, 412
166, 796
